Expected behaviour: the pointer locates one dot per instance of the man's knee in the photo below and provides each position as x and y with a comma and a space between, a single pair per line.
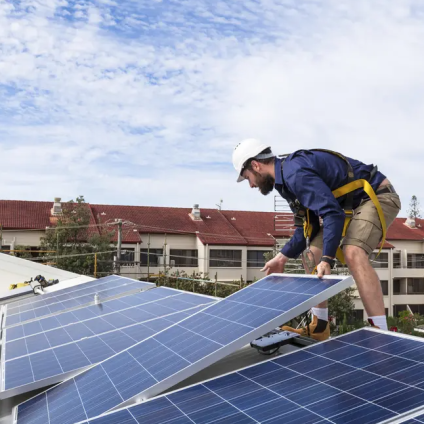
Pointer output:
354, 255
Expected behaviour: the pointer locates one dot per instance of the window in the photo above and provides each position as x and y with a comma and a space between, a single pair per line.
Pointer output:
415, 286
225, 258
357, 315
184, 258
385, 287
386, 311
255, 258
153, 256
5, 248
381, 262
415, 260
396, 260
396, 286
398, 308
127, 256
417, 309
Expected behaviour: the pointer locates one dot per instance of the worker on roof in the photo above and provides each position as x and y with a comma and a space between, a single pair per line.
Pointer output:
355, 201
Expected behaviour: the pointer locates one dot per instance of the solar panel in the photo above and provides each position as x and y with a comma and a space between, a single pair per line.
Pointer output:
161, 361
67, 290
29, 361
111, 310
365, 377
58, 301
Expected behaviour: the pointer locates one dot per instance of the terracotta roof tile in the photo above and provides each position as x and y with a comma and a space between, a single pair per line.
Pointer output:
399, 231
216, 227
19, 214
212, 229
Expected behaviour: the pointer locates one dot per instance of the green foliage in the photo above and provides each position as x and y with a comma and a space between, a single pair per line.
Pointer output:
26, 254
341, 305
182, 281
71, 236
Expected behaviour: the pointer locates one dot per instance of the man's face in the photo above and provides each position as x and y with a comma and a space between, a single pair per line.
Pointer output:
264, 181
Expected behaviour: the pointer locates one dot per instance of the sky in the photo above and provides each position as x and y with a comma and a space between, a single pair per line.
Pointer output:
141, 102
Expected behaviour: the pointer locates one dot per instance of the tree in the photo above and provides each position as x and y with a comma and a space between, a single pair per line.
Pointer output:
414, 210
71, 237
341, 305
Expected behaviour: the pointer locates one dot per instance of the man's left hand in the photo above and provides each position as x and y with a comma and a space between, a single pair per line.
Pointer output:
323, 268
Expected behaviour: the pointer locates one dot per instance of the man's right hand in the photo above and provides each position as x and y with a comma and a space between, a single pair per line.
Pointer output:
275, 265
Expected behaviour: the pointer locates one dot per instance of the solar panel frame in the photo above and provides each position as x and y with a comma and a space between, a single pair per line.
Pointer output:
68, 290
324, 289
10, 294
413, 416
6, 393
15, 319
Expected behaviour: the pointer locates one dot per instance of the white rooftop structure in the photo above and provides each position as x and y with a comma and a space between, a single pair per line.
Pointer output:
15, 270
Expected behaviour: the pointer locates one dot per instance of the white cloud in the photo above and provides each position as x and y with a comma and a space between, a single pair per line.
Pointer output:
172, 87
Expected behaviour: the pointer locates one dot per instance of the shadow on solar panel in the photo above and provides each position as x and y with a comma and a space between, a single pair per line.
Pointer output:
161, 361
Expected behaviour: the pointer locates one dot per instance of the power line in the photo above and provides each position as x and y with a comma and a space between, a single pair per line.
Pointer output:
43, 258
57, 228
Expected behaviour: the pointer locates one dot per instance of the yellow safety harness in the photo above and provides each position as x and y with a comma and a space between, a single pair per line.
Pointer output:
346, 190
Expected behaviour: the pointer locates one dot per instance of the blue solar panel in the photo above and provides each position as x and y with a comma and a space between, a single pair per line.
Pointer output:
89, 342
69, 290
54, 303
302, 387
198, 341
96, 319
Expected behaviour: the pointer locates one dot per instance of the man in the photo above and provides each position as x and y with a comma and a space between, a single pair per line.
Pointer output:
307, 179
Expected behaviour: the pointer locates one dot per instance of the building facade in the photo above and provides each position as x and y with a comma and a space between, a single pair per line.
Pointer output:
222, 245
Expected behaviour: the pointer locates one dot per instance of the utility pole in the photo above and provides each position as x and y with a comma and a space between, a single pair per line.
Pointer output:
148, 259
118, 255
117, 266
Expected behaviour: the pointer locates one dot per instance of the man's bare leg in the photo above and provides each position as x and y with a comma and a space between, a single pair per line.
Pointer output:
317, 252
366, 280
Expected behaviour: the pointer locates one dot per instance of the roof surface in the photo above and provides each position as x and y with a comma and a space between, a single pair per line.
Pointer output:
216, 227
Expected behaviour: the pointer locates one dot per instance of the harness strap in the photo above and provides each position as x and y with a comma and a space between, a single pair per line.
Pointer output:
350, 187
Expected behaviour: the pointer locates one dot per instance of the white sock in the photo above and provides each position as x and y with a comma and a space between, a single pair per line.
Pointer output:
320, 313
379, 321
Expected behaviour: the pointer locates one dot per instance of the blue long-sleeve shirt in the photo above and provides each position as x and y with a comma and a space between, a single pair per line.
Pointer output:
311, 176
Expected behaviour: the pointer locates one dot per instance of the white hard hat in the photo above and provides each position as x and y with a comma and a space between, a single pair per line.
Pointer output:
247, 149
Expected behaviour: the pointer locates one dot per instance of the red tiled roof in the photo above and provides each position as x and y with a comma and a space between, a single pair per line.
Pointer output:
216, 227
386, 245
255, 226
212, 229
399, 231
26, 215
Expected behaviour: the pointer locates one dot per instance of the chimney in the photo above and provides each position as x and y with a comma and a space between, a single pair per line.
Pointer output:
410, 222
195, 213
57, 207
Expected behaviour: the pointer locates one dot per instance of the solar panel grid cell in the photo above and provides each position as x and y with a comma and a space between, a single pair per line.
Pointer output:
292, 389
69, 290
55, 305
80, 345
150, 305
179, 351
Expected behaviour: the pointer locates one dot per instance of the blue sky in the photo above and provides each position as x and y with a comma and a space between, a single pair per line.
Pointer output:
142, 102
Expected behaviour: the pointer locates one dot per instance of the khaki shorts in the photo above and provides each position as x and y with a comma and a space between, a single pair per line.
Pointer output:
364, 229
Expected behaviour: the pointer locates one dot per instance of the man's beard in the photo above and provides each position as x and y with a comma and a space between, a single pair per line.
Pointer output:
265, 183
